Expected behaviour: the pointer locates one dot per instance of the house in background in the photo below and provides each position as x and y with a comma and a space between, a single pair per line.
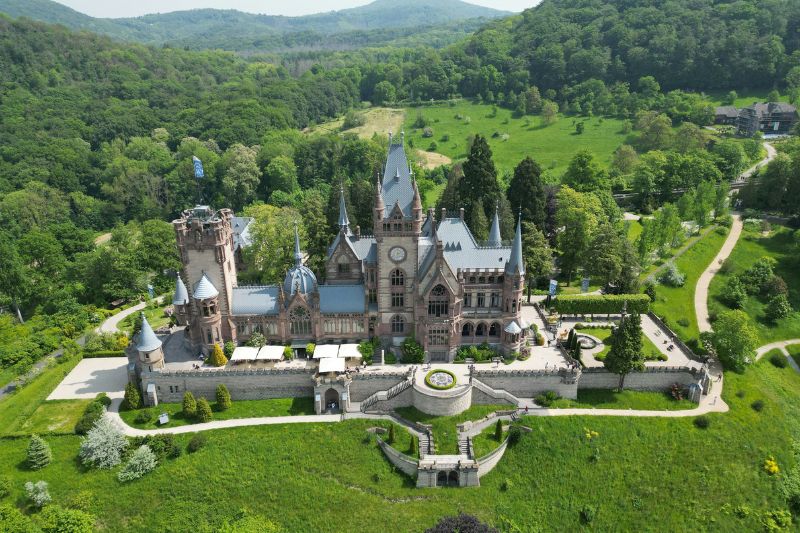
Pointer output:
726, 115
775, 118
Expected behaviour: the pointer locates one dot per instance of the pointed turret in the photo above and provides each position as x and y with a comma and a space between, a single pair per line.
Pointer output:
515, 264
205, 289
344, 222
380, 207
298, 256
494, 235
181, 296
416, 203
147, 340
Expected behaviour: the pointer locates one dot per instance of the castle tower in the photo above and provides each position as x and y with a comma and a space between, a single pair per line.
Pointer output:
180, 301
207, 324
148, 345
206, 246
513, 284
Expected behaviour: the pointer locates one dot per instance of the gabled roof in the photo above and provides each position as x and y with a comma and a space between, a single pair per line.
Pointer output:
342, 299
204, 289
365, 248
181, 296
240, 227
727, 110
397, 186
462, 251
147, 340
255, 300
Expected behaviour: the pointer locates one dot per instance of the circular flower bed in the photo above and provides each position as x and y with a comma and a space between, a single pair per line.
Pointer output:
440, 379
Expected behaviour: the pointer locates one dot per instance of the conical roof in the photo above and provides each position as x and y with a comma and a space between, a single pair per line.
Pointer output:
299, 278
147, 340
344, 221
181, 296
494, 235
205, 289
515, 263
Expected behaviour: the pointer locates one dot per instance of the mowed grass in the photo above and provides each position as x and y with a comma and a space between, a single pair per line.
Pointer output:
650, 350
155, 316
794, 352
752, 245
677, 303
377, 120
238, 409
627, 399
445, 434
54, 417
660, 474
552, 146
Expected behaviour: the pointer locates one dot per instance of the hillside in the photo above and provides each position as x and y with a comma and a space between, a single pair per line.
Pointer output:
377, 23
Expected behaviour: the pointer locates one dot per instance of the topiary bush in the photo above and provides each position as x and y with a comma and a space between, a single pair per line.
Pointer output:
223, 397
93, 412
778, 360
702, 422
189, 407
197, 442
217, 357
133, 399
757, 406
204, 413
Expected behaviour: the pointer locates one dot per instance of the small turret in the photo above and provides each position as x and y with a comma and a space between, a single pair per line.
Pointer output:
380, 207
515, 264
344, 221
494, 235
149, 346
180, 302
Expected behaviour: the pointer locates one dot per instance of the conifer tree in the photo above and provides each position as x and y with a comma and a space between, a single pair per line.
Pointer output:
498, 431
391, 434
527, 191
189, 405
133, 399
480, 179
39, 454
223, 397
203, 410
478, 222
626, 355
217, 357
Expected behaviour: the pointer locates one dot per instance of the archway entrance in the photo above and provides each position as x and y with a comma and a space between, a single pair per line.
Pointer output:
332, 400
452, 479
441, 479
447, 479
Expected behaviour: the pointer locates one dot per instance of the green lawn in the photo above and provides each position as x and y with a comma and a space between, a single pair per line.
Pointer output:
239, 409
650, 350
659, 474
445, 435
780, 245
485, 443
677, 303
54, 417
552, 146
155, 316
745, 98
627, 399
794, 352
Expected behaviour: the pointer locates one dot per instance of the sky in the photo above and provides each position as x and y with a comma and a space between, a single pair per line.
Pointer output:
125, 8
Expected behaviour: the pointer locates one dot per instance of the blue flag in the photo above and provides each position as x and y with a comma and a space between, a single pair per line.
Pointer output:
553, 287
198, 168
585, 285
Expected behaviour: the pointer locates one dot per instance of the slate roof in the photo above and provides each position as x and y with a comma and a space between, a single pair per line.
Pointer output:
365, 248
727, 110
342, 299
494, 235
397, 186
462, 251
147, 340
181, 296
241, 232
204, 289
255, 300
515, 262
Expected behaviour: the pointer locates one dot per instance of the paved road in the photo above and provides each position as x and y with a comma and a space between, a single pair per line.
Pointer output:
111, 325
701, 291
771, 153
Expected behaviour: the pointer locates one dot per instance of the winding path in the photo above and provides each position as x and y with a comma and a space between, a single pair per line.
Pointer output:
701, 290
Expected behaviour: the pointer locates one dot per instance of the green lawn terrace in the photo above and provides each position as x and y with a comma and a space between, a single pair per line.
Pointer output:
512, 139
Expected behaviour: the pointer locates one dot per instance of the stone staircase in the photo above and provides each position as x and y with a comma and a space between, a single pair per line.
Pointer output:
465, 445
425, 444
498, 394
385, 395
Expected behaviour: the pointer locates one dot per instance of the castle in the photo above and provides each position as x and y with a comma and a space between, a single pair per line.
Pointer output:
415, 276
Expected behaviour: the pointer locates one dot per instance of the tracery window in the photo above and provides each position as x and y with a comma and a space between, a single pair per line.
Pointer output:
438, 301
300, 321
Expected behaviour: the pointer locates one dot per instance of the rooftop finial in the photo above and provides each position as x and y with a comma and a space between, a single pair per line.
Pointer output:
298, 257
344, 221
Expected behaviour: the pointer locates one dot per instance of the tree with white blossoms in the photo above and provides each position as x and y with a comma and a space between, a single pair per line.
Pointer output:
103, 445
38, 493
142, 461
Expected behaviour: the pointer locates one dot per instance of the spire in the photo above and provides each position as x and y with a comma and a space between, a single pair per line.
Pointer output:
494, 235
298, 257
515, 263
181, 296
344, 222
379, 195
416, 204
147, 341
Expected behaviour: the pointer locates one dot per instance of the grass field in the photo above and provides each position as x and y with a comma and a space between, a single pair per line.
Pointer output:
54, 417
627, 399
752, 245
744, 98
637, 474
552, 146
650, 350
677, 303
155, 316
239, 409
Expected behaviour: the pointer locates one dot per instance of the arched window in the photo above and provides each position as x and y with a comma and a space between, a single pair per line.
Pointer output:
494, 330
438, 301
480, 330
467, 329
398, 324
300, 321
398, 278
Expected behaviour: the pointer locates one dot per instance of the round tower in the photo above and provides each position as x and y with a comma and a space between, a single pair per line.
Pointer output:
180, 301
207, 311
151, 354
513, 283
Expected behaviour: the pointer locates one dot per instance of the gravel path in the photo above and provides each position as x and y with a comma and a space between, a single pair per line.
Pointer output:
701, 291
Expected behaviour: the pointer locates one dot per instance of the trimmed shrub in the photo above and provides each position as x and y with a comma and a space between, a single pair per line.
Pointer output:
757, 406
103, 399
163, 446
288, 354
778, 307
390, 438
601, 304
498, 431
57, 519
702, 422
38, 454
204, 413
223, 397
778, 360
189, 407
133, 399
141, 462
310, 347
144, 416
230, 346
197, 442
93, 412
547, 399
217, 357
514, 434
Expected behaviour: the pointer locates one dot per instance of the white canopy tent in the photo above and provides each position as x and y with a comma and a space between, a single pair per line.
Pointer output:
270, 353
245, 353
347, 351
331, 364
326, 350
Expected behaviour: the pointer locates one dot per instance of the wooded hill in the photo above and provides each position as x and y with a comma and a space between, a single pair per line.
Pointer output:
378, 23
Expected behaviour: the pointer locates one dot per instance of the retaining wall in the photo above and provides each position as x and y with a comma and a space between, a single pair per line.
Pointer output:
404, 399
490, 460
403, 462
442, 403
528, 384
365, 385
652, 379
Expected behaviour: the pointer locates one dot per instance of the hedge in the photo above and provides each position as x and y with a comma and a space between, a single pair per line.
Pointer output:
104, 353
601, 304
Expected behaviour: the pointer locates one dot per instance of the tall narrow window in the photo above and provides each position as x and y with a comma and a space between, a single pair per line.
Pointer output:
438, 302
398, 278
481, 299
398, 324
299, 321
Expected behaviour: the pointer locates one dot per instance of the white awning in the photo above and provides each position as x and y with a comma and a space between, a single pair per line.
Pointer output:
331, 364
270, 353
349, 351
513, 328
245, 353
326, 350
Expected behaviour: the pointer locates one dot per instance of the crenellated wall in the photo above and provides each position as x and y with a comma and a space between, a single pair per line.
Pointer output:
528, 384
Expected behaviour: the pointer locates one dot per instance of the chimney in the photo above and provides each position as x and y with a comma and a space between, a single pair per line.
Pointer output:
444, 214
461, 214
358, 232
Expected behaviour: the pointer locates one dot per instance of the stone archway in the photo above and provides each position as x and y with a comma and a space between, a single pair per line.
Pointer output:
441, 479
332, 401
452, 479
